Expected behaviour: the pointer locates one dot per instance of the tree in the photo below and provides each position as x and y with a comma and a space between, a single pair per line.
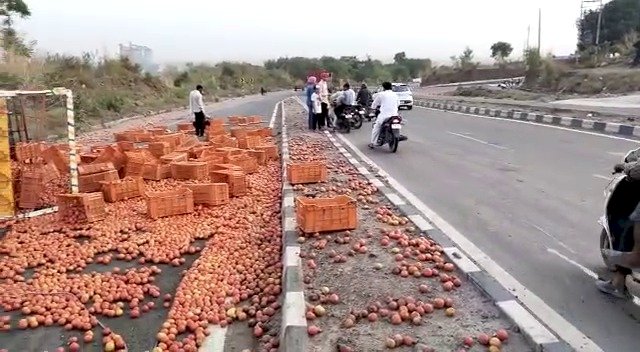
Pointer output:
400, 57
500, 51
619, 18
465, 60
11, 41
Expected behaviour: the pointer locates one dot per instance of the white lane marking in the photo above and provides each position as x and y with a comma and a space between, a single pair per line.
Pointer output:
620, 154
272, 122
584, 269
551, 236
215, 341
535, 124
587, 271
602, 177
569, 333
477, 140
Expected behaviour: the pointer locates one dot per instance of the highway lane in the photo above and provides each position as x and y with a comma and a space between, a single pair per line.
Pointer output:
529, 197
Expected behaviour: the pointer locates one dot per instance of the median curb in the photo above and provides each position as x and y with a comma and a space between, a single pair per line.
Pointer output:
293, 333
543, 119
541, 338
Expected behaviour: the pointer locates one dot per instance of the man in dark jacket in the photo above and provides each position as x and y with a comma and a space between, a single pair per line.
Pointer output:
364, 96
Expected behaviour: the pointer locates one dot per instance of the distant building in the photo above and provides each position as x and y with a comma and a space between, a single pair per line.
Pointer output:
140, 55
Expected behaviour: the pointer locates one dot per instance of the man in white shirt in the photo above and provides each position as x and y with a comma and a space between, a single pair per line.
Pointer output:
196, 104
323, 89
347, 99
388, 103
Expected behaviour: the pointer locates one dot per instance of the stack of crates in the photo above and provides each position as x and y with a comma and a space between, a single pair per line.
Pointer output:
7, 205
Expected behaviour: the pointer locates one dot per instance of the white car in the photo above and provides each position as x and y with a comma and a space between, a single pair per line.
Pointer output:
405, 96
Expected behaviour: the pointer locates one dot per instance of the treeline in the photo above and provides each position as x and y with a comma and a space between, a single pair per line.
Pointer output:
351, 68
620, 24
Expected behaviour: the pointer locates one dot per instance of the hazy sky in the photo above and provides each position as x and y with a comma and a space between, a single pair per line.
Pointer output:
255, 30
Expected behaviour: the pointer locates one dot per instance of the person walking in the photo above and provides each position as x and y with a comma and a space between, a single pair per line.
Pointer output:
196, 105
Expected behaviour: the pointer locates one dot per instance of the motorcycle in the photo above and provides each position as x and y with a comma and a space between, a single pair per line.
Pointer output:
351, 117
390, 133
622, 195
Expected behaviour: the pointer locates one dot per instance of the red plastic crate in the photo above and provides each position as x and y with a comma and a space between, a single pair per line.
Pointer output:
189, 170
81, 206
236, 180
30, 190
175, 202
248, 163
91, 182
156, 172
309, 172
209, 193
129, 187
88, 169
326, 214
174, 157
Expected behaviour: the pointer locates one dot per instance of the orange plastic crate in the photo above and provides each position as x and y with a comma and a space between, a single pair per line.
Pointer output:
125, 146
55, 156
260, 156
173, 139
49, 172
236, 180
175, 202
270, 150
209, 193
326, 214
309, 172
82, 206
248, 163
30, 190
89, 169
185, 126
174, 157
156, 172
129, 187
91, 182
189, 170
222, 166
158, 149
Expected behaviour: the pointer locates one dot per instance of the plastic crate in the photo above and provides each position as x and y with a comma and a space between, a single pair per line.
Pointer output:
236, 180
174, 157
260, 155
30, 190
55, 156
222, 166
156, 172
309, 172
209, 193
185, 126
88, 158
28, 151
129, 187
248, 163
88, 169
125, 146
91, 182
228, 151
125, 136
189, 170
270, 150
173, 139
49, 172
175, 202
326, 214
81, 206
158, 149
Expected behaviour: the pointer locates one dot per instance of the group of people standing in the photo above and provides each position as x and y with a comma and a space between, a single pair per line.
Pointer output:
318, 102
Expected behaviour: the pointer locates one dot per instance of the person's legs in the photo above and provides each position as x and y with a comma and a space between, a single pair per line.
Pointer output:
311, 116
375, 132
314, 121
199, 124
325, 115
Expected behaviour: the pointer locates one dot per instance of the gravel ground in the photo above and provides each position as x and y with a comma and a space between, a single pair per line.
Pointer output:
366, 281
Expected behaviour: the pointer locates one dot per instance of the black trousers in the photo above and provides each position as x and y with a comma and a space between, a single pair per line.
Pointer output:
199, 123
325, 115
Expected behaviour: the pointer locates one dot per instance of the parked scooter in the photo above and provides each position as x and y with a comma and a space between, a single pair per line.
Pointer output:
622, 195
350, 117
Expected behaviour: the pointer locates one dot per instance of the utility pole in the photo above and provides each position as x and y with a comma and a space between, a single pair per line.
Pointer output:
600, 10
539, 30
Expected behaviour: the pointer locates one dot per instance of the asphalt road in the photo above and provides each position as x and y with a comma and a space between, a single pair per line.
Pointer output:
529, 197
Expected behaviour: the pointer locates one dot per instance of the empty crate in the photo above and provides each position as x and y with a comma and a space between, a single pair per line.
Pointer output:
309, 172
326, 214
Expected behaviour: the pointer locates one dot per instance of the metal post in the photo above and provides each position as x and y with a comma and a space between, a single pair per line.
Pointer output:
539, 29
71, 134
600, 10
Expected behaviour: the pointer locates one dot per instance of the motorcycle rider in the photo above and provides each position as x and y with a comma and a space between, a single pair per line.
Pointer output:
346, 99
388, 103
624, 261
364, 96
